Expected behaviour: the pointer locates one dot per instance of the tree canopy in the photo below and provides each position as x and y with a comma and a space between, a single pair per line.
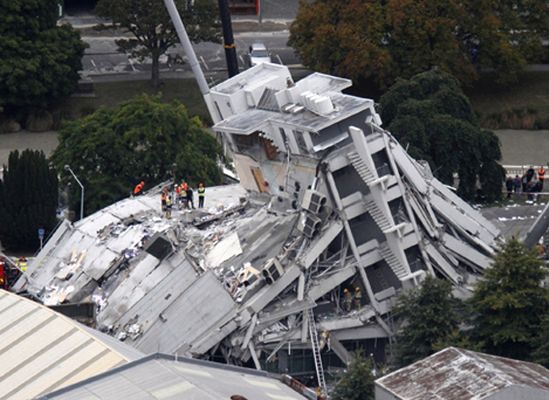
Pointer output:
28, 200
113, 149
383, 40
431, 319
358, 381
511, 306
40, 60
431, 116
149, 22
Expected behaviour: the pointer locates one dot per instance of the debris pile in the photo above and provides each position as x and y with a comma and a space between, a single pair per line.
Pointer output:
331, 221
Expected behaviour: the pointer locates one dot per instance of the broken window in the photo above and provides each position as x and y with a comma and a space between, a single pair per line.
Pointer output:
381, 161
348, 181
300, 140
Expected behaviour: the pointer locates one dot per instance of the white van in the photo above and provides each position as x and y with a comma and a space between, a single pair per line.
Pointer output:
259, 54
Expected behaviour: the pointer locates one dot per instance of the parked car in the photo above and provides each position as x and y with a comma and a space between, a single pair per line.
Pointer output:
259, 54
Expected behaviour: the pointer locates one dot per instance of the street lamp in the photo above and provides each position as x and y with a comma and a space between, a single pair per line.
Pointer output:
67, 168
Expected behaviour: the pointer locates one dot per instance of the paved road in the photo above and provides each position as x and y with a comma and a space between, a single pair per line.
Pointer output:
514, 219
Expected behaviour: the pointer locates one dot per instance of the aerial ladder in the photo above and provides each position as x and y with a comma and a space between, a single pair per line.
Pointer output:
538, 229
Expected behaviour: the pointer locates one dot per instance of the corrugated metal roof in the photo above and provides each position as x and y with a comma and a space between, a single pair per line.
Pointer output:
42, 350
161, 377
457, 374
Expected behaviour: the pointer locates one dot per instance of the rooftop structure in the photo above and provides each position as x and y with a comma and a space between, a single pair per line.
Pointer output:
42, 350
457, 374
331, 221
160, 376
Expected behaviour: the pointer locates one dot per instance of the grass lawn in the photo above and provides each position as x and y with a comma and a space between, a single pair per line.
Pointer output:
524, 104
109, 94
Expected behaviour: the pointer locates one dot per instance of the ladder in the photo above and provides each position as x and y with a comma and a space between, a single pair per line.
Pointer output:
316, 351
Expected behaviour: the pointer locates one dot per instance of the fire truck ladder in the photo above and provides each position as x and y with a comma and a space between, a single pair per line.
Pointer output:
316, 351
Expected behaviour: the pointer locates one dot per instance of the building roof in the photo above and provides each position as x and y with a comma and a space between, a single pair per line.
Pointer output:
248, 121
42, 350
462, 375
162, 377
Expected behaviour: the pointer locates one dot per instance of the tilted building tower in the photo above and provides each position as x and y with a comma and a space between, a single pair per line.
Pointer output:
369, 213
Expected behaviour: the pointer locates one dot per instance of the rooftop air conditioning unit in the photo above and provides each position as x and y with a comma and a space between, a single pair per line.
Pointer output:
313, 201
310, 225
272, 271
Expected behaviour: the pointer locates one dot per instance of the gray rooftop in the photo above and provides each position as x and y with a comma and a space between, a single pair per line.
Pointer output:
163, 377
251, 120
458, 374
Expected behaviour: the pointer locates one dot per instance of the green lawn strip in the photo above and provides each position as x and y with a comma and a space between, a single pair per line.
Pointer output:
109, 94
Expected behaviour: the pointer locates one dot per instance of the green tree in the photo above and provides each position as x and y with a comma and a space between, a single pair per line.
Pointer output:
113, 149
358, 381
40, 60
148, 21
541, 344
28, 199
431, 316
383, 40
510, 303
431, 116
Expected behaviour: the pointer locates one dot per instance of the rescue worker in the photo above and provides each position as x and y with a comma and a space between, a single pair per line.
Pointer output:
169, 204
21, 263
183, 194
201, 194
164, 199
138, 188
541, 176
357, 299
347, 300
190, 197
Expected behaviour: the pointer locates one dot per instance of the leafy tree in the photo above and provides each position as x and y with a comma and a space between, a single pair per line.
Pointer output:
148, 21
383, 40
431, 317
40, 60
358, 381
432, 117
28, 199
113, 149
541, 344
510, 303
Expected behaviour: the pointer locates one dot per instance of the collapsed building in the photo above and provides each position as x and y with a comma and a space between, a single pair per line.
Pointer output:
329, 207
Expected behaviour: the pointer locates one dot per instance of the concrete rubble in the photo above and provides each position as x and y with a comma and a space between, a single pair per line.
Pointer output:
328, 201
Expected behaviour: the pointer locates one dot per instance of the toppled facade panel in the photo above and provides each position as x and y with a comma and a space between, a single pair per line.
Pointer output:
336, 220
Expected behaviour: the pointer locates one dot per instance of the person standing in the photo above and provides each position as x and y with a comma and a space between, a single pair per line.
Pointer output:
357, 299
541, 176
518, 184
201, 194
164, 199
509, 183
138, 188
190, 194
347, 300
530, 174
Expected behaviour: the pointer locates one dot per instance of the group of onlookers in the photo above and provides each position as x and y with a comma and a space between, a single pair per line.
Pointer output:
530, 183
